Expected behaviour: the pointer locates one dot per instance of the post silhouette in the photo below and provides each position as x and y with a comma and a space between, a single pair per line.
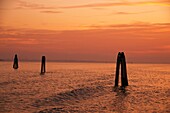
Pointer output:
15, 64
117, 69
121, 61
43, 65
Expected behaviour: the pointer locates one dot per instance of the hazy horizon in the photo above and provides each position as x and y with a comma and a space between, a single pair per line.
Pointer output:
80, 61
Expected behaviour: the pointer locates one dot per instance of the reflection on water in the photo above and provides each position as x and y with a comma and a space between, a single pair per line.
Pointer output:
83, 87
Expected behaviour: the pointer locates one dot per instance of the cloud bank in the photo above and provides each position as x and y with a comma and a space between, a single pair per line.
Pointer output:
141, 42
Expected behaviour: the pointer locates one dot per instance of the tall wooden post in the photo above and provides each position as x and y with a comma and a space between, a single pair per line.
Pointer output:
117, 69
43, 65
121, 61
124, 71
15, 64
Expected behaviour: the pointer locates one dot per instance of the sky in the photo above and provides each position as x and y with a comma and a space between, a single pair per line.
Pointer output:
85, 30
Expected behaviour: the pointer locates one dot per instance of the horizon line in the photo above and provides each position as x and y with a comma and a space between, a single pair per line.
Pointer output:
83, 61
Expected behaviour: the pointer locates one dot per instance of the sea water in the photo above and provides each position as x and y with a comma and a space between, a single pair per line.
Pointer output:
83, 87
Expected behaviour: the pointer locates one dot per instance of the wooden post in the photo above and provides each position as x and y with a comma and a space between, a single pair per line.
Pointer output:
43, 65
117, 69
121, 61
15, 64
124, 74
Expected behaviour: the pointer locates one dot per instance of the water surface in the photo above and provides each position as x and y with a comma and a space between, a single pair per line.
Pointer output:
83, 87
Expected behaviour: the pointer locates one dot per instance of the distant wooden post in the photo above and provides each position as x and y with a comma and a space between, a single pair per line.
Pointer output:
121, 61
43, 65
15, 64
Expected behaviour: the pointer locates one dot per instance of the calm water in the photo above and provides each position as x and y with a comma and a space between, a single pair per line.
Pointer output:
83, 87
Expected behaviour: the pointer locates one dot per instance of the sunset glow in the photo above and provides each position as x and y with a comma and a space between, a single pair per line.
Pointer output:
88, 30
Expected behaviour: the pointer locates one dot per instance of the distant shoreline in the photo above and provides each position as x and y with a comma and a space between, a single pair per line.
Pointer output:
82, 61
71, 61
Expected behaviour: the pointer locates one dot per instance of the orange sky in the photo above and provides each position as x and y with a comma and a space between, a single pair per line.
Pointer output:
85, 29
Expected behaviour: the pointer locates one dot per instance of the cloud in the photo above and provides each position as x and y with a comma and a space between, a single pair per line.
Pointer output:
130, 13
18, 40
21, 4
43, 8
48, 11
143, 31
24, 5
138, 39
9, 39
139, 25
124, 13
160, 3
